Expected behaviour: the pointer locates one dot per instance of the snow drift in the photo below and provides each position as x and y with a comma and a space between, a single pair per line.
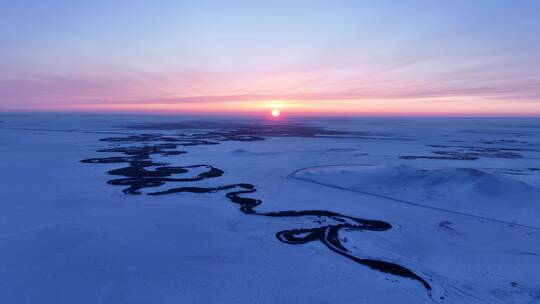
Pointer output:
464, 190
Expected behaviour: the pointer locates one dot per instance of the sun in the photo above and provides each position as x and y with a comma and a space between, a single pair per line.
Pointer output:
276, 112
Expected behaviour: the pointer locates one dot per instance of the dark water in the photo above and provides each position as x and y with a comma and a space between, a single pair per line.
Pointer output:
141, 172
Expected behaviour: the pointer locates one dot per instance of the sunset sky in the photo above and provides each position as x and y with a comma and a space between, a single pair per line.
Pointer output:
302, 57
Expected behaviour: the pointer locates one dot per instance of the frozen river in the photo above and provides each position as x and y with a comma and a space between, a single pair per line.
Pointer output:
142, 209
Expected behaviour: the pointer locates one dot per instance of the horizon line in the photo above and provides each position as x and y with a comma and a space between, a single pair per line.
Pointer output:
256, 114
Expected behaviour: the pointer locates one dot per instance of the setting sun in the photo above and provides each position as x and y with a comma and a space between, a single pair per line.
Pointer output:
275, 112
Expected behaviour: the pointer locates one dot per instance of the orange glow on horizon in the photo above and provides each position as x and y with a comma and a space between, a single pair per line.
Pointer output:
276, 112
456, 106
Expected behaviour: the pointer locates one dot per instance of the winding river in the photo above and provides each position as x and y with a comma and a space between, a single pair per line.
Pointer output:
142, 172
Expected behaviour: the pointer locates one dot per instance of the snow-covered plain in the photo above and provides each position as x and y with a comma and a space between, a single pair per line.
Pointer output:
461, 194
477, 191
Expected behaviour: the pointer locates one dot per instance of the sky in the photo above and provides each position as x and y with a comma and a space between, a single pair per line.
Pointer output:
303, 57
